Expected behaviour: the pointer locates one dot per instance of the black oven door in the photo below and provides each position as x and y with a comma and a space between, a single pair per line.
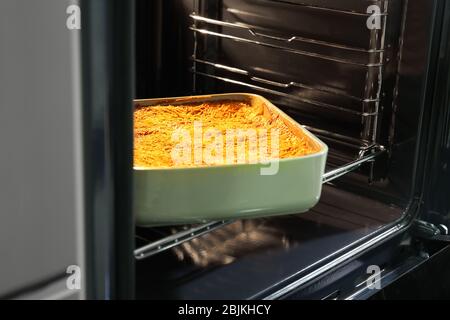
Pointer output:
434, 221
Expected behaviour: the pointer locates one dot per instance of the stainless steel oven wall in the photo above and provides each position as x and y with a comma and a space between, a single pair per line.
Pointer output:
41, 196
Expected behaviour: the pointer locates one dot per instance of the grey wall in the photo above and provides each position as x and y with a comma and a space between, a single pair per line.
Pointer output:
41, 201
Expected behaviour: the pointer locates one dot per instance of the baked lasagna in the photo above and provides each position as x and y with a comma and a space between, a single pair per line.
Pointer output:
214, 133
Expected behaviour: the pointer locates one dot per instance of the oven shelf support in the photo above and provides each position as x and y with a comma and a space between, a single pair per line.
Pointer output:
177, 239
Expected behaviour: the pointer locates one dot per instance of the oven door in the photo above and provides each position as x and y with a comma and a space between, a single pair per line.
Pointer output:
435, 218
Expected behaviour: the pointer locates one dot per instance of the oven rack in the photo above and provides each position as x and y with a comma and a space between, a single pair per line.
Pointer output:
178, 238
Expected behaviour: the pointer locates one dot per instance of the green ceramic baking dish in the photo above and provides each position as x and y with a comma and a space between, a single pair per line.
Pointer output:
167, 196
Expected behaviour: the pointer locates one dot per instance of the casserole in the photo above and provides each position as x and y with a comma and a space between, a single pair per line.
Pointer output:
180, 195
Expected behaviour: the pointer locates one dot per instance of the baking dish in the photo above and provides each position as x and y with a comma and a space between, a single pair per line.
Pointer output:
167, 196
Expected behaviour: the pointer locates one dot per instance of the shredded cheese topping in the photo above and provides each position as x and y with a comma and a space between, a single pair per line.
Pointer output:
154, 128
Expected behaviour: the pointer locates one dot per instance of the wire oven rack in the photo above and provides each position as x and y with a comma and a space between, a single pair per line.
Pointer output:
178, 238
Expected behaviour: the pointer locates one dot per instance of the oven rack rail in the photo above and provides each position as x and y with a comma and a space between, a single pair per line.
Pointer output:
295, 51
312, 4
322, 88
366, 106
368, 133
283, 39
367, 109
183, 236
358, 145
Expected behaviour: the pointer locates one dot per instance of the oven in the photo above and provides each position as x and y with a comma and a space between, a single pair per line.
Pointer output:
355, 74
362, 88
368, 77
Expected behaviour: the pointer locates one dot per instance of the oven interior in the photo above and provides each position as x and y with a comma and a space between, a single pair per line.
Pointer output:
351, 75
